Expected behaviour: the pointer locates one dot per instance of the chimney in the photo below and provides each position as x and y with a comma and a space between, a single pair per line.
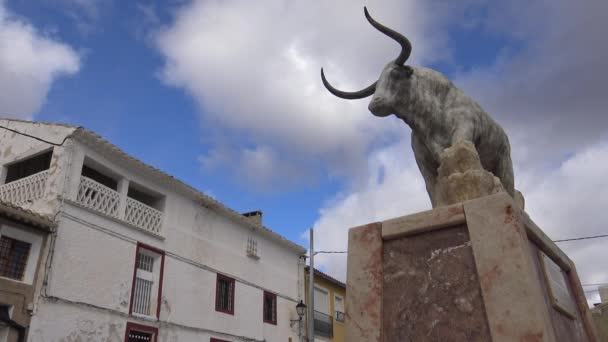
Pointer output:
256, 217
603, 293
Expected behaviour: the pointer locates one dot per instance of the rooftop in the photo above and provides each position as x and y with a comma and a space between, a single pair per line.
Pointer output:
327, 277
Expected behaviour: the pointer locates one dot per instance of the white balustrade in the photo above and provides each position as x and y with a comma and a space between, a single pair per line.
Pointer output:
98, 197
143, 216
24, 190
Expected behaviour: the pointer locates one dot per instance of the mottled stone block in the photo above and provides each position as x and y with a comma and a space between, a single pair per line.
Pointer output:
431, 289
364, 284
473, 271
512, 293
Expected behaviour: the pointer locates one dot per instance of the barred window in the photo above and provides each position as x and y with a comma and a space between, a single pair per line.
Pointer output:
13, 257
146, 281
224, 294
270, 308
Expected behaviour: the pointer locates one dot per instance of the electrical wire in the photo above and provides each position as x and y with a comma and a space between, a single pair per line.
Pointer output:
35, 137
582, 238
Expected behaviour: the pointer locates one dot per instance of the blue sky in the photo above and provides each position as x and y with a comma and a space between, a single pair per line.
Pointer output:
226, 96
118, 93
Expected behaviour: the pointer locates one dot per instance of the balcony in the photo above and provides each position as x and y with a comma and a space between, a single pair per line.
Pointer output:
98, 197
324, 325
24, 190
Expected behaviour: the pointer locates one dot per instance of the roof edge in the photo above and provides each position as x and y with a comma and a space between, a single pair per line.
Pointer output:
97, 142
26, 216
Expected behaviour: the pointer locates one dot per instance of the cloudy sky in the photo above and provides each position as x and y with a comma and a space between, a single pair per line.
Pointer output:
226, 95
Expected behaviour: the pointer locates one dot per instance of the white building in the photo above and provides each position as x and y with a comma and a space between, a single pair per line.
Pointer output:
137, 255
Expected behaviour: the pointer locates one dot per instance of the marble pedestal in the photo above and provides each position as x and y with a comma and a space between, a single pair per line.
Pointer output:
480, 270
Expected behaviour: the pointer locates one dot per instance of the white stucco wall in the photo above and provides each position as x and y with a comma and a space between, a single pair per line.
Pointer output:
91, 274
15, 147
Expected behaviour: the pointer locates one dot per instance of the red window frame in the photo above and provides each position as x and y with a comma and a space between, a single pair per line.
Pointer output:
274, 309
142, 328
213, 339
217, 290
160, 281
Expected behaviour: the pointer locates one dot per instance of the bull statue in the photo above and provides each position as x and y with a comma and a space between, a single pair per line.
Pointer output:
439, 114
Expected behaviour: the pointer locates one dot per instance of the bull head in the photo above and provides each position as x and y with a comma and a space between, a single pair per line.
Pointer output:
386, 90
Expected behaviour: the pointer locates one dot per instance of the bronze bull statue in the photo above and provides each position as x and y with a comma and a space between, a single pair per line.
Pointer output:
439, 114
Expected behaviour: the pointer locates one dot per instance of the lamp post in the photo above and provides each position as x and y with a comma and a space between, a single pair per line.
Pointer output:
301, 310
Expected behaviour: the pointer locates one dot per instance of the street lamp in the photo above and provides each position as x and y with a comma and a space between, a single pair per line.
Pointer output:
301, 310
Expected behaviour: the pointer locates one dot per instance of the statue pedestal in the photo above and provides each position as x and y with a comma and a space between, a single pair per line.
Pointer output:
480, 270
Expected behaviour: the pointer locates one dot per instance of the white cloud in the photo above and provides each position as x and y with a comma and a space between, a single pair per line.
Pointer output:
29, 63
254, 69
394, 187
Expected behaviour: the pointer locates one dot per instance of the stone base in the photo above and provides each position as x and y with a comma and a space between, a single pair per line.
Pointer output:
474, 271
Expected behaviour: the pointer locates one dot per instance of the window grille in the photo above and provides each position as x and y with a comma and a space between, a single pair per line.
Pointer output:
145, 262
139, 336
323, 324
224, 297
141, 298
13, 257
144, 281
140, 333
339, 306
252, 247
270, 308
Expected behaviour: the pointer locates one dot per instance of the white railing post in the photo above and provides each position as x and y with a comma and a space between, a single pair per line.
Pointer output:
3, 172
123, 190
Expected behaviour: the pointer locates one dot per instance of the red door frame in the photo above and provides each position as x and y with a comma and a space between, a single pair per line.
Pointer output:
160, 281
142, 328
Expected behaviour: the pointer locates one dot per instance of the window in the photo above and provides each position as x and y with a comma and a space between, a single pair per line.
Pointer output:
19, 252
147, 281
321, 300
28, 167
339, 308
224, 294
323, 319
13, 257
140, 333
99, 177
252, 248
270, 308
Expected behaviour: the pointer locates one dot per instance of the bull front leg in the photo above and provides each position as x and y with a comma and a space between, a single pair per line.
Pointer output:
426, 165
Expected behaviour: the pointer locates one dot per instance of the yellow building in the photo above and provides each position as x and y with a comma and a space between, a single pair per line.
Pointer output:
329, 299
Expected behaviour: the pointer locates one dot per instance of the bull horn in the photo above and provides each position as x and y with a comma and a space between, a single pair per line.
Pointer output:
348, 94
406, 46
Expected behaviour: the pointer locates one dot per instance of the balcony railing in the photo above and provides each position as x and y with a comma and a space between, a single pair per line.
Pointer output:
24, 190
324, 325
143, 216
98, 197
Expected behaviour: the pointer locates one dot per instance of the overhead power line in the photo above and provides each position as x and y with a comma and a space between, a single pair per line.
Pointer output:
582, 238
35, 137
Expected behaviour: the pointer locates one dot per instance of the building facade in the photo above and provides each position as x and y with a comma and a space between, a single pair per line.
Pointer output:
329, 310
138, 255
23, 242
600, 314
